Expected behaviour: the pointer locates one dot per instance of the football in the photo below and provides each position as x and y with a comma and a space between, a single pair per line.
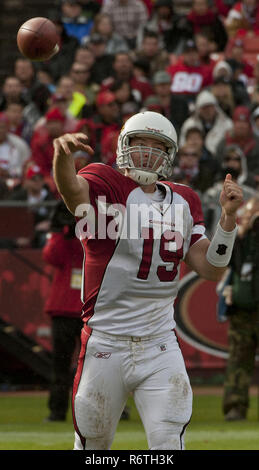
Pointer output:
37, 39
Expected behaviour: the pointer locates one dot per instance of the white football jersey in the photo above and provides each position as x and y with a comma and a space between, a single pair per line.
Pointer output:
133, 254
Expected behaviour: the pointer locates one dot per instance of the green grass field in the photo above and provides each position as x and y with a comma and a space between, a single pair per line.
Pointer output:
22, 427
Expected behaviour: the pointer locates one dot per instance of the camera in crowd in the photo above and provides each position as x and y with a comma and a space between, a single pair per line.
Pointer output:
62, 220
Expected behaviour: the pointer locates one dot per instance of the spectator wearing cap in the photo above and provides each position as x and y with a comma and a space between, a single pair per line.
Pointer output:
162, 89
107, 107
173, 106
210, 118
151, 51
127, 17
172, 28
14, 151
34, 190
114, 42
189, 76
106, 122
152, 104
202, 18
42, 142
242, 135
75, 23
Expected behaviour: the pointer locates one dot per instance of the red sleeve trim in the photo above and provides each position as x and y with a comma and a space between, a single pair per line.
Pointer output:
195, 237
193, 200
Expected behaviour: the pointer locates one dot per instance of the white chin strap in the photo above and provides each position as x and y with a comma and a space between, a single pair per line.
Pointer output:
141, 176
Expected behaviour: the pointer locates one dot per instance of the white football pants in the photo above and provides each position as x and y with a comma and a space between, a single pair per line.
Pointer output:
110, 368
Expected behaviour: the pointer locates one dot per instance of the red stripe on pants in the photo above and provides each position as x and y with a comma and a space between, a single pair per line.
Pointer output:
85, 335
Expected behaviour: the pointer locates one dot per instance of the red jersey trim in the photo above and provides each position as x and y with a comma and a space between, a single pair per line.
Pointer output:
194, 238
192, 198
95, 284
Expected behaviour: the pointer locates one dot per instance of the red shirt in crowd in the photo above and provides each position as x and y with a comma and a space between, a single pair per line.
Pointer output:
189, 80
66, 256
199, 21
42, 151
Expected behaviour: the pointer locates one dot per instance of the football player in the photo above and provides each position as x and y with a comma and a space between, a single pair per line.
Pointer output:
131, 278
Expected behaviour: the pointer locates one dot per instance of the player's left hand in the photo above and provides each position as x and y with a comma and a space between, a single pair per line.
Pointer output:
231, 196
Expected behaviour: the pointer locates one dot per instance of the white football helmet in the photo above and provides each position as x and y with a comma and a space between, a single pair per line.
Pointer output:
147, 124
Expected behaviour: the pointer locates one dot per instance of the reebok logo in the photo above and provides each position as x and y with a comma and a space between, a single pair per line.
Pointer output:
102, 355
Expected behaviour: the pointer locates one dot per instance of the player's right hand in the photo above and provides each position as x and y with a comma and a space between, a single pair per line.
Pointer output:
68, 144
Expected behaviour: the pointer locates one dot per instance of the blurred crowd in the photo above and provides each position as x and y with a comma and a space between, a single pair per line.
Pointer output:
194, 61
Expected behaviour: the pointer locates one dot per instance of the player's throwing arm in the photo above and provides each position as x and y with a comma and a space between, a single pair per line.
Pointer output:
72, 187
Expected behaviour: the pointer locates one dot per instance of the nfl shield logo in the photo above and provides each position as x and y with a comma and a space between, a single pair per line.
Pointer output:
221, 249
